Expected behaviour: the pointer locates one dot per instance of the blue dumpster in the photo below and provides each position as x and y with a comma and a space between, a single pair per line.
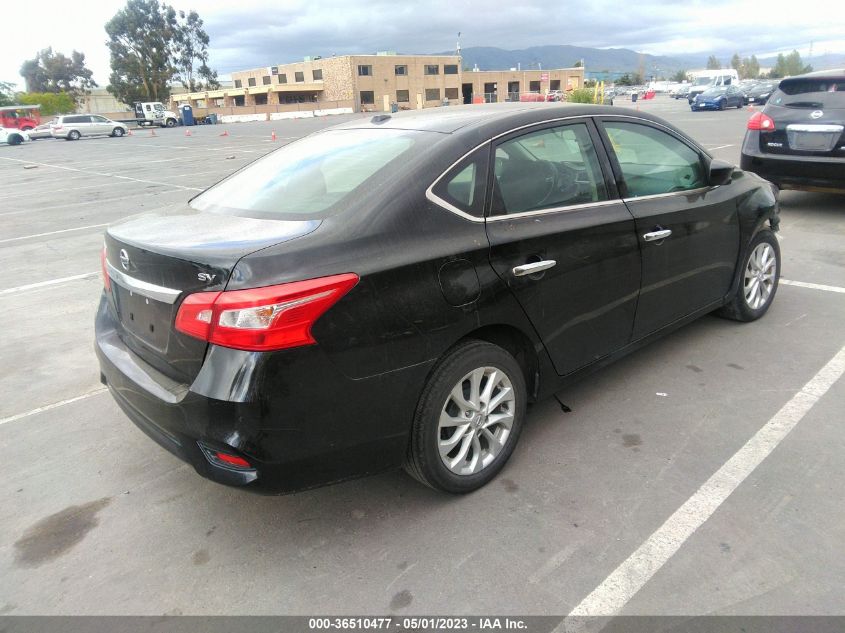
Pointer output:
187, 114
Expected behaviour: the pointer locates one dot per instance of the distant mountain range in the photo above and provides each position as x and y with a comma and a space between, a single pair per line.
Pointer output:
600, 59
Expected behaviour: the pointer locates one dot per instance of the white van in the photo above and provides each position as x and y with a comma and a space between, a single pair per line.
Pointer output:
704, 79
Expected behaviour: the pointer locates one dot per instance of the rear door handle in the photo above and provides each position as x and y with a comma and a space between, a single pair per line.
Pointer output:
655, 236
533, 268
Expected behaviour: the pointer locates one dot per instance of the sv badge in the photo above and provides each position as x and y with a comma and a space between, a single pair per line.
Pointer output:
206, 277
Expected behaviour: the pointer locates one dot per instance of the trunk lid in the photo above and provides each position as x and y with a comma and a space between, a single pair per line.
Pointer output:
155, 260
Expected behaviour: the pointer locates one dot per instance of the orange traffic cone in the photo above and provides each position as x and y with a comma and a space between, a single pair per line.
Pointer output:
187, 132
129, 132
225, 133
273, 136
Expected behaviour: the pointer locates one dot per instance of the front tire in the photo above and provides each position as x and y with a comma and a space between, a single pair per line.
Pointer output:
468, 419
117, 132
758, 281
14, 139
723, 103
170, 123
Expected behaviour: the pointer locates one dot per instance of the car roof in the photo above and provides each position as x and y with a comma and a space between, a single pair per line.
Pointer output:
495, 116
832, 73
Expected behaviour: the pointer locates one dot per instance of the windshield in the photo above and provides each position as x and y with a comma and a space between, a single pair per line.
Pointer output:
310, 178
703, 81
811, 93
712, 92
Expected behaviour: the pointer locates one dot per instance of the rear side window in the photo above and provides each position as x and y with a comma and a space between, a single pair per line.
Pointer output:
652, 161
811, 93
313, 177
463, 186
551, 168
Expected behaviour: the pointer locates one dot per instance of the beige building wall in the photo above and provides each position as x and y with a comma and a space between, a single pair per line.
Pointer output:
509, 84
410, 89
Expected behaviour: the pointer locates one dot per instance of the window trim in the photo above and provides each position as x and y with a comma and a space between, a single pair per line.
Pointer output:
369, 73
404, 73
604, 158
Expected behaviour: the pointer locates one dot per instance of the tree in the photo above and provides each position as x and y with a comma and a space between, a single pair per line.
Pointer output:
578, 64
713, 63
750, 68
680, 76
141, 45
789, 65
191, 47
51, 102
736, 63
55, 72
7, 95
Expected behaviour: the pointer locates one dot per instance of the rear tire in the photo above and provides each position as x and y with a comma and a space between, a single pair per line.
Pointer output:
723, 103
14, 139
758, 280
170, 123
73, 135
458, 442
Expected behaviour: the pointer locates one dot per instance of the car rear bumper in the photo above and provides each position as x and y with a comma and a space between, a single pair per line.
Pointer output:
790, 171
293, 439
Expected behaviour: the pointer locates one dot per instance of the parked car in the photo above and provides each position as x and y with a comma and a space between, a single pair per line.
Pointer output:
718, 98
366, 297
42, 131
760, 92
680, 91
13, 136
72, 127
797, 140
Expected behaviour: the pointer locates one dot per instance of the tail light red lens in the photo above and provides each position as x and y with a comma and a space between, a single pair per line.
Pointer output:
106, 279
760, 121
232, 460
262, 319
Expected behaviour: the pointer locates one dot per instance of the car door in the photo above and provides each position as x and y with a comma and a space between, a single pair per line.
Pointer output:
100, 125
688, 231
563, 241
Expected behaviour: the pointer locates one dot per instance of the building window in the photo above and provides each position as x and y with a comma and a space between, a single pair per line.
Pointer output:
283, 78
274, 70
317, 74
400, 70
298, 76
534, 86
402, 96
368, 97
554, 84
450, 69
238, 83
432, 69
260, 99
451, 93
365, 71
251, 81
265, 80
432, 94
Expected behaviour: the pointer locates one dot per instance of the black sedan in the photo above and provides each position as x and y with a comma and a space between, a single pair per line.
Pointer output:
718, 98
396, 291
760, 93
797, 140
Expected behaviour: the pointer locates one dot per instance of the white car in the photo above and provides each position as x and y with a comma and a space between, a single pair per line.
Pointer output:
12, 136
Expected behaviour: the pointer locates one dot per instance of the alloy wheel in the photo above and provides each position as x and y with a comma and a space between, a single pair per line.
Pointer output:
476, 420
760, 276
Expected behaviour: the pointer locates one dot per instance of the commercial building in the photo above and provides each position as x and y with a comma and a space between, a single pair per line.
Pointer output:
372, 83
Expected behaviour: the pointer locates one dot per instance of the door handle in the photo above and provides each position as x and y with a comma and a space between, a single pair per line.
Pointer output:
655, 236
533, 268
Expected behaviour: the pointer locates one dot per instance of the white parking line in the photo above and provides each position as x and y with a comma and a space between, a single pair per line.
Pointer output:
48, 407
711, 149
51, 282
804, 284
26, 237
627, 579
98, 173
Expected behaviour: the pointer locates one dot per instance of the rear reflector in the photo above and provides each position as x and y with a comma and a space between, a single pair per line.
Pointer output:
760, 121
262, 319
232, 460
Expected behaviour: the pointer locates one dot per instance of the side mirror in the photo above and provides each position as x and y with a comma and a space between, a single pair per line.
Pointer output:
720, 172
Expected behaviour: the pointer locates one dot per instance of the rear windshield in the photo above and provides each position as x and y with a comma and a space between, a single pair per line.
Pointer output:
313, 177
811, 93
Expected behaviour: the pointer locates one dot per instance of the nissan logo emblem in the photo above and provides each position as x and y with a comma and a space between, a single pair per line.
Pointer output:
124, 259
816, 114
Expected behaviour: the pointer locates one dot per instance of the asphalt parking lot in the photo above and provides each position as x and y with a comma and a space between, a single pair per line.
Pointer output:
100, 520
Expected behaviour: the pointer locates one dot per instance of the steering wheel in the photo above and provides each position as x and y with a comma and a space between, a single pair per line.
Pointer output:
564, 182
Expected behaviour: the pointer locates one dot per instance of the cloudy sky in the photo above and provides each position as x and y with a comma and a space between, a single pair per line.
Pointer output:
252, 33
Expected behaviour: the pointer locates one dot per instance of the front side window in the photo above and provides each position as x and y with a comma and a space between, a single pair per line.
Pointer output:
315, 176
547, 169
652, 161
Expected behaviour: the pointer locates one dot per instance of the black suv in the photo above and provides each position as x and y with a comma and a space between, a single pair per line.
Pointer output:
797, 141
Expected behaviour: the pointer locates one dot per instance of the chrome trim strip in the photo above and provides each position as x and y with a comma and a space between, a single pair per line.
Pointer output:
686, 192
574, 207
159, 293
432, 197
801, 127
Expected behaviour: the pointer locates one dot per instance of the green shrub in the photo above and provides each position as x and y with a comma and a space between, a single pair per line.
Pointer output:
582, 95
51, 103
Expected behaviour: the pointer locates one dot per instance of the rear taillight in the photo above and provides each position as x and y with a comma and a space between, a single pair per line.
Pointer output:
760, 121
103, 262
262, 319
